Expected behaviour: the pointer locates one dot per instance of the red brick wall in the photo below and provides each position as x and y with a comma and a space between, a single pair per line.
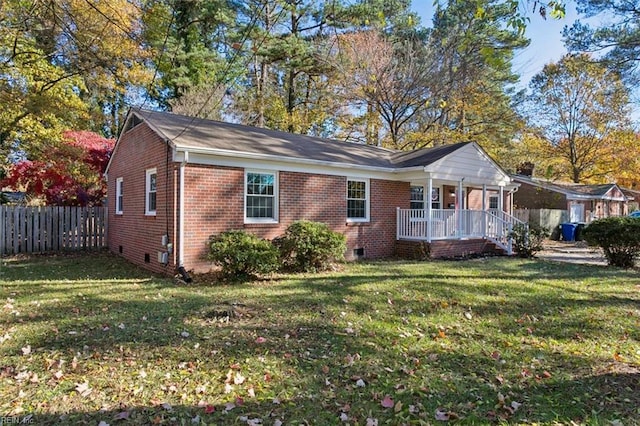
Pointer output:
215, 203
133, 234
533, 197
420, 250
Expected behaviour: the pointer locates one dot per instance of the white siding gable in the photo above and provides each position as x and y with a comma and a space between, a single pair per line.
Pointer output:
470, 163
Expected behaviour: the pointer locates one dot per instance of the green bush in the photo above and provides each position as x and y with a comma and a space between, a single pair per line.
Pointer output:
310, 246
242, 255
527, 240
619, 238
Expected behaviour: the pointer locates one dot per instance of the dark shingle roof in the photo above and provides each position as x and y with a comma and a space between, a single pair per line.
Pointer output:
200, 134
592, 191
422, 157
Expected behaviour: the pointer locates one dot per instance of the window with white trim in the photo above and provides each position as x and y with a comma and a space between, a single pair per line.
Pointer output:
150, 192
358, 200
260, 196
119, 196
494, 202
417, 198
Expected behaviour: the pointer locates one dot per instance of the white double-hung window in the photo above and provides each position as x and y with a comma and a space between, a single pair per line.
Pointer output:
357, 200
260, 196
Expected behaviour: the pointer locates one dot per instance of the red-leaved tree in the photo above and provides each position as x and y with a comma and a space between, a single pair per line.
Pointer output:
71, 175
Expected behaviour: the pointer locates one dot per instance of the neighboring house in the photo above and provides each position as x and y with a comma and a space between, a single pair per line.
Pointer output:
584, 203
634, 198
13, 198
173, 181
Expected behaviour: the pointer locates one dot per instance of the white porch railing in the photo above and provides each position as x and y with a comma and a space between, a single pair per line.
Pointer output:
447, 224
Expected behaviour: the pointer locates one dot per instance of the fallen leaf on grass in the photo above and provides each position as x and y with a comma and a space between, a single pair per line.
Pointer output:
26, 350
260, 340
387, 402
238, 379
209, 409
372, 422
83, 389
123, 415
442, 415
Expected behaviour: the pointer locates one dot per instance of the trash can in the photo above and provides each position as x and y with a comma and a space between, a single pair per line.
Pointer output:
569, 231
579, 230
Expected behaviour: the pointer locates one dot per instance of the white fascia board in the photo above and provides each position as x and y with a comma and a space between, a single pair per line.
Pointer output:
453, 175
580, 197
230, 158
252, 160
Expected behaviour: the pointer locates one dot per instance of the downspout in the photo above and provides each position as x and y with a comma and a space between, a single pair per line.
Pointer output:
181, 269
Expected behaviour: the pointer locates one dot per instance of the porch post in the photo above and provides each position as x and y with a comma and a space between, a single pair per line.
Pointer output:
484, 210
428, 206
501, 204
460, 208
484, 196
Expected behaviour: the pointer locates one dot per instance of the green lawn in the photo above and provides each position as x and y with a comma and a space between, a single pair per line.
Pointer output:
90, 339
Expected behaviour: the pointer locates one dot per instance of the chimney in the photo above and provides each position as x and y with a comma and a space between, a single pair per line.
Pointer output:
525, 169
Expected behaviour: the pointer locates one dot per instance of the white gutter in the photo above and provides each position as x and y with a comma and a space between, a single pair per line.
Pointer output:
181, 218
270, 157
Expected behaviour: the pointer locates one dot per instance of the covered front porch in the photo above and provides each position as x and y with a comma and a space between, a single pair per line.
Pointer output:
461, 196
461, 224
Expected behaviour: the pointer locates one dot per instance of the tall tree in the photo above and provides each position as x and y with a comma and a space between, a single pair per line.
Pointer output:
64, 64
578, 105
192, 41
291, 80
473, 86
387, 82
618, 39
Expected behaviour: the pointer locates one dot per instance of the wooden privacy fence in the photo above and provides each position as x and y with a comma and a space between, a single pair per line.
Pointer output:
47, 229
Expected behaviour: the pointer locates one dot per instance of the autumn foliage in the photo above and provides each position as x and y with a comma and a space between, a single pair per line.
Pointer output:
71, 175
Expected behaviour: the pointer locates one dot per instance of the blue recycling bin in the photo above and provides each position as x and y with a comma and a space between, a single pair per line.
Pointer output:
569, 231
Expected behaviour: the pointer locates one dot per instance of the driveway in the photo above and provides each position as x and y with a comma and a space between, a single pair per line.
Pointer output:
572, 252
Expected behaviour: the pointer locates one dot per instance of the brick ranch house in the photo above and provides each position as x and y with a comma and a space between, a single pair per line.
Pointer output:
583, 203
173, 181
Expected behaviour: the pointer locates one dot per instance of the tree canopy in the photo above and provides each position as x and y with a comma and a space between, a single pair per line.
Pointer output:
579, 108
71, 175
365, 71
617, 40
